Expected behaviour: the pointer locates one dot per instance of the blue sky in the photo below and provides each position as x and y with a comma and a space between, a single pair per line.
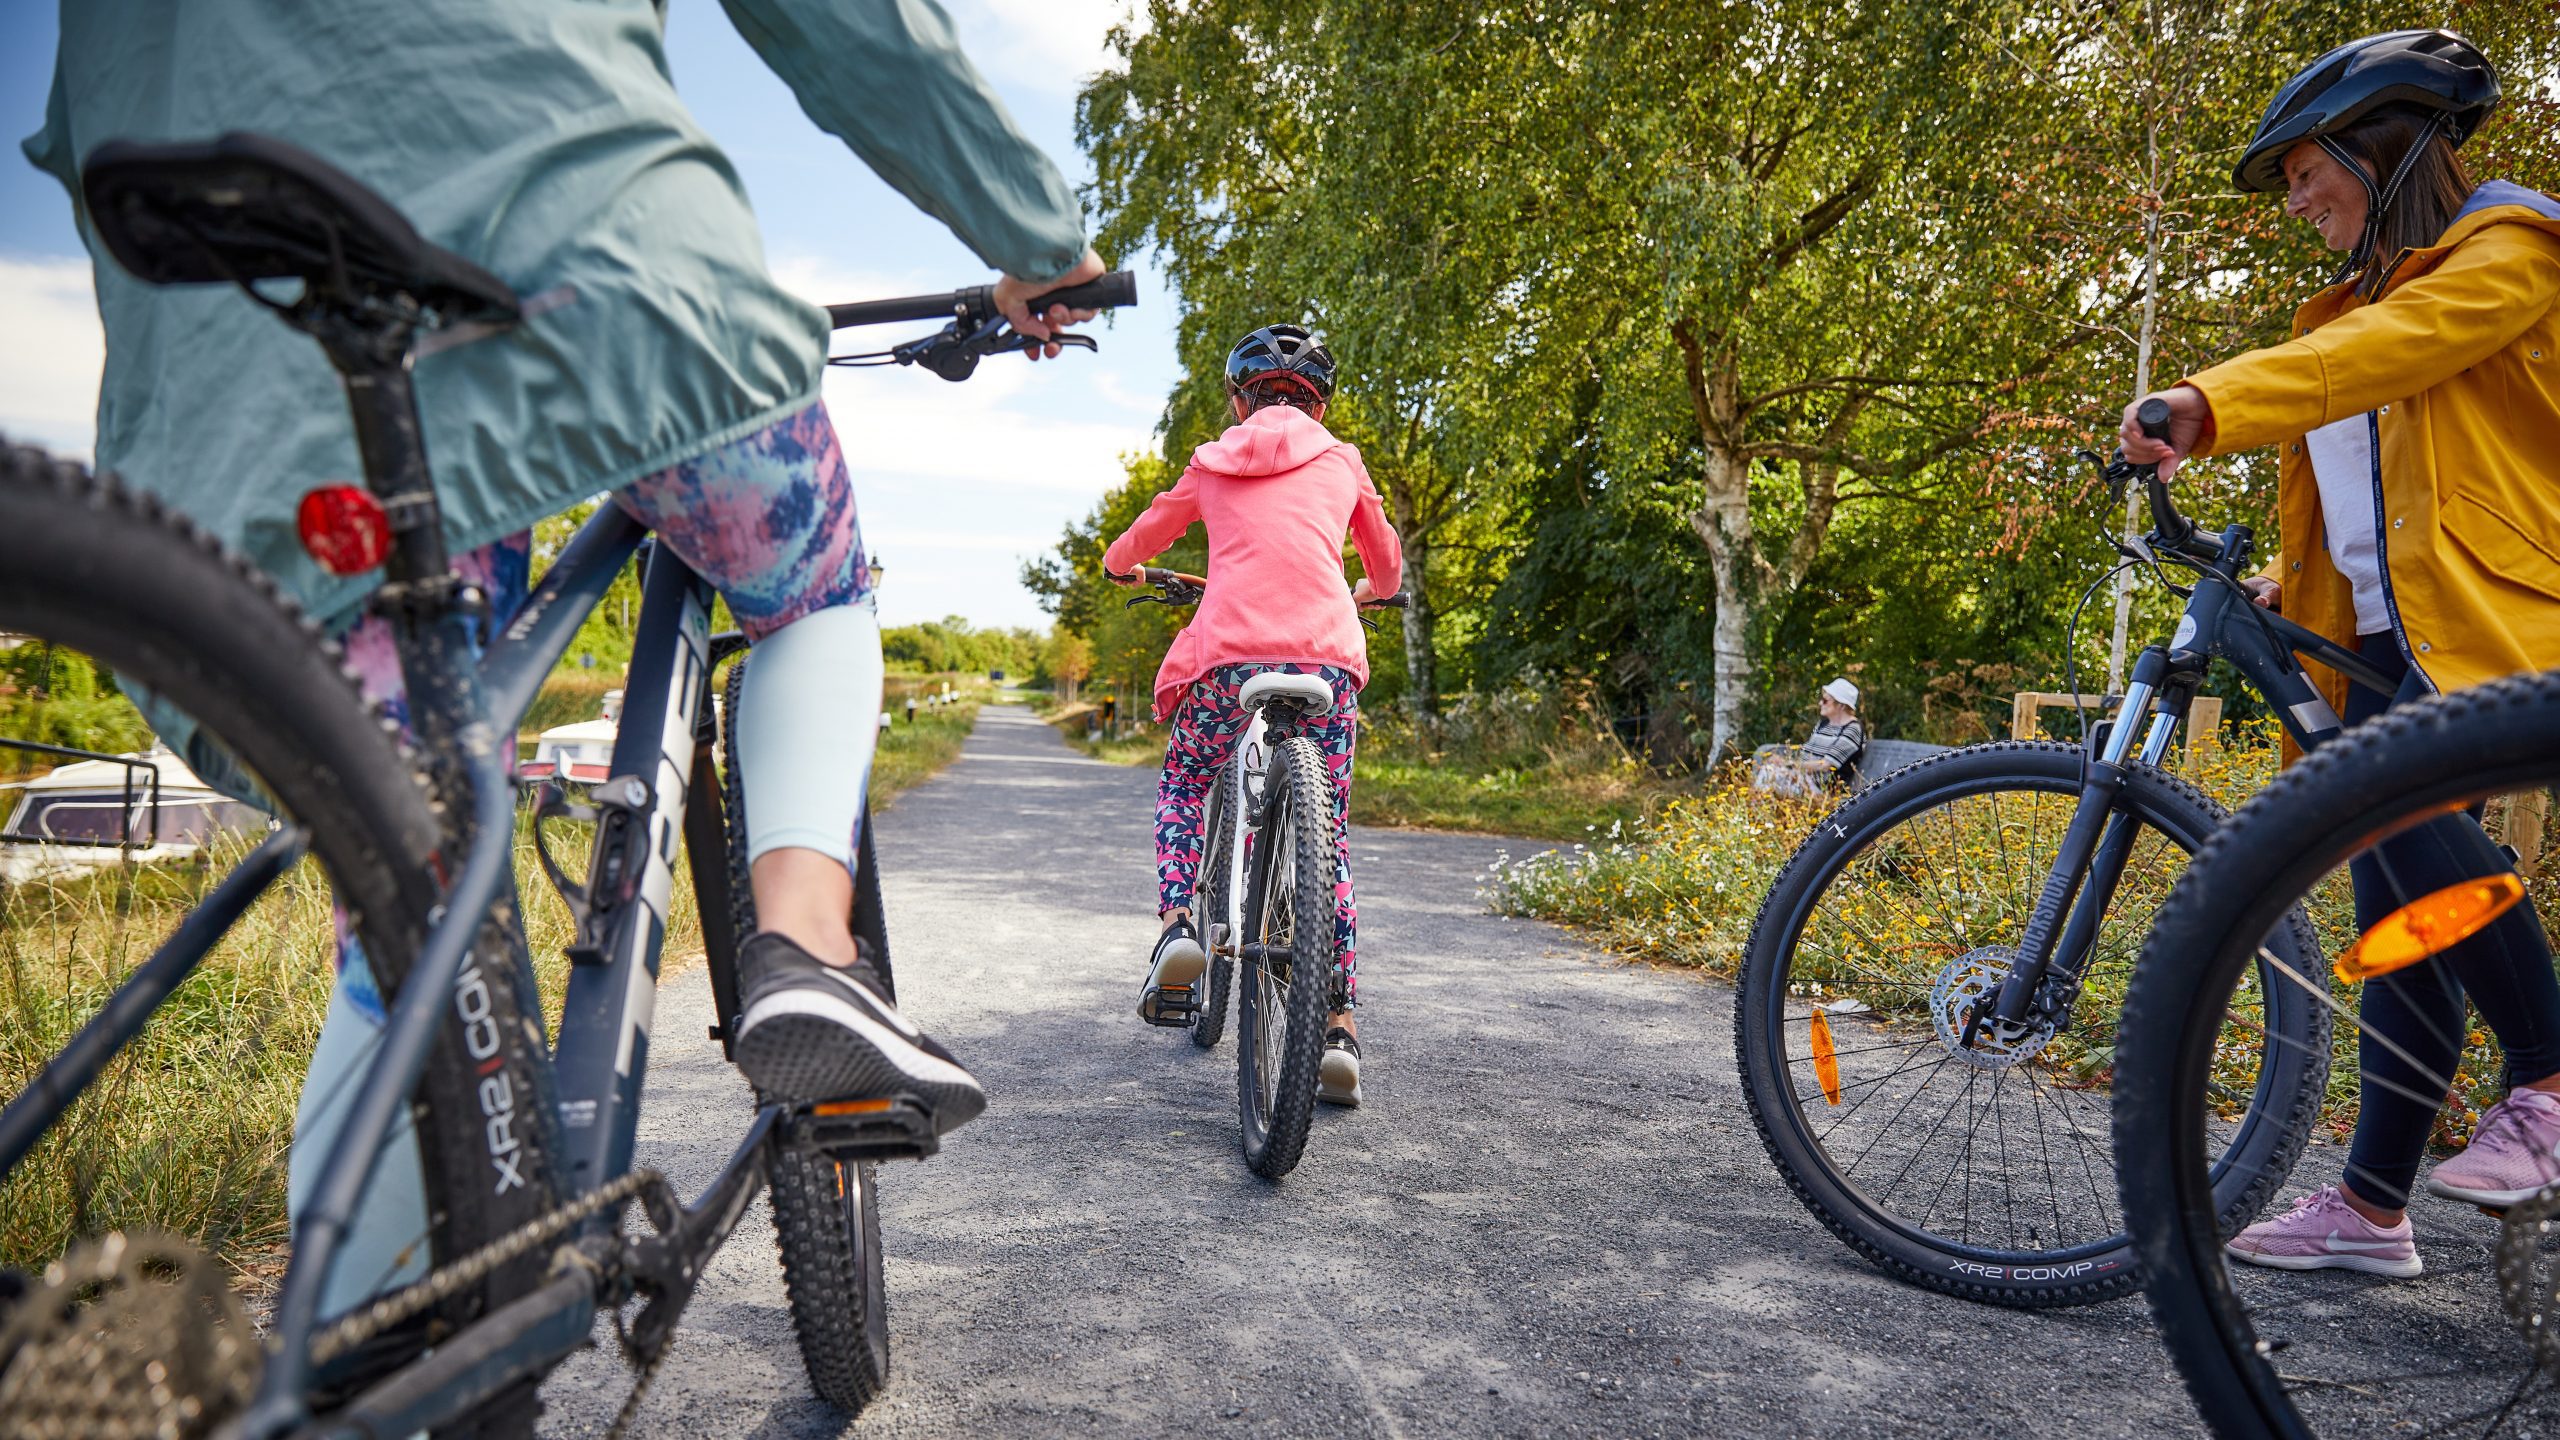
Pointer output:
958, 483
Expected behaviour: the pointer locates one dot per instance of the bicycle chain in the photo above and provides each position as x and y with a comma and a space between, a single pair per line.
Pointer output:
445, 1283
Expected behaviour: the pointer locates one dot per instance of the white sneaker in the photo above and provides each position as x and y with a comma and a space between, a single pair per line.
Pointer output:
1172, 995
1338, 1076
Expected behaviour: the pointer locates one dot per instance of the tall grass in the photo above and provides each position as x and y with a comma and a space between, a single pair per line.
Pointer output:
187, 1130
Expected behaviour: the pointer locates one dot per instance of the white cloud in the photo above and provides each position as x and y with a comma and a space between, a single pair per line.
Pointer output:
1047, 46
52, 352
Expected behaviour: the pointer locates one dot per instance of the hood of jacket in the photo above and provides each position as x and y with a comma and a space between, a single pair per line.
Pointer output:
2490, 194
1271, 441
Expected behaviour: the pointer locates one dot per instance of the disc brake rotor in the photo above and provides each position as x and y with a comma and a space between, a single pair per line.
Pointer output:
126, 1337
1962, 986
2527, 1274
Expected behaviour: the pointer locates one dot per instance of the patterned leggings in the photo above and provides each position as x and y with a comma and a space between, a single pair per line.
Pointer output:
1206, 730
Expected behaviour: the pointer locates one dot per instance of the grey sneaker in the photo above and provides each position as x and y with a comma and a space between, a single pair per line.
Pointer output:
1172, 995
1338, 1076
808, 1030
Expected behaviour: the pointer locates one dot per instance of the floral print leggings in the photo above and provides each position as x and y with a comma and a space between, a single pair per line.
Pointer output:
1206, 730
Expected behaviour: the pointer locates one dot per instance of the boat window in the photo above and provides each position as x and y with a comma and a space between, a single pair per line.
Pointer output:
83, 819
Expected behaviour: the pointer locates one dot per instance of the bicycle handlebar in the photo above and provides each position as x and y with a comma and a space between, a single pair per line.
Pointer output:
973, 305
1181, 589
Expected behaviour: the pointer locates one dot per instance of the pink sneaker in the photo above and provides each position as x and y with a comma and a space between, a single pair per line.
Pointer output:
2510, 1157
2323, 1232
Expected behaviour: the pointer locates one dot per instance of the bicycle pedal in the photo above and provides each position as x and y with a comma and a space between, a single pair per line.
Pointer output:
1172, 1006
873, 1129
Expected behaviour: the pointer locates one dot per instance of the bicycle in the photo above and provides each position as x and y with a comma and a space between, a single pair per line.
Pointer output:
2468, 1347
1266, 898
525, 1144
1970, 919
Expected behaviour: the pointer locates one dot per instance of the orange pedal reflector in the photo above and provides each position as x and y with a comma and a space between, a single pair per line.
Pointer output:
2429, 925
852, 1107
1826, 1063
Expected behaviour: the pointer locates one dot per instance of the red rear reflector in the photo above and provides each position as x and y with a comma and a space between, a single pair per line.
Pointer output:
343, 527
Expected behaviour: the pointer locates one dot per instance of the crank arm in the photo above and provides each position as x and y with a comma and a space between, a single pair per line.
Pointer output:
667, 1266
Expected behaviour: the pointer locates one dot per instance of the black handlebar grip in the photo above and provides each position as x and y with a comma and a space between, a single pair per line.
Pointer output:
1120, 287
912, 307
1398, 601
2153, 416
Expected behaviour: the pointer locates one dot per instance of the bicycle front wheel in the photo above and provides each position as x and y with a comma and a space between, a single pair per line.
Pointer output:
1285, 969
2471, 1346
1977, 1170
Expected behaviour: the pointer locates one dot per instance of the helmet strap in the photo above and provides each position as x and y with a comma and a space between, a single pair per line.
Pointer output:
2377, 200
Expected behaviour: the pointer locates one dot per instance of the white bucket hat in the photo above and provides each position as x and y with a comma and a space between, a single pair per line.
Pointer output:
1842, 691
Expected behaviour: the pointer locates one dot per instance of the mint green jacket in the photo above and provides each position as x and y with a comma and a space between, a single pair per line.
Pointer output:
544, 140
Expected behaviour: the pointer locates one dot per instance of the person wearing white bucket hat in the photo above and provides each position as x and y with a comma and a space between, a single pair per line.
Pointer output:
1835, 742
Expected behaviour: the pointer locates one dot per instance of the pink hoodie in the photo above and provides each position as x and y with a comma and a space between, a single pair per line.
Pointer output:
1276, 492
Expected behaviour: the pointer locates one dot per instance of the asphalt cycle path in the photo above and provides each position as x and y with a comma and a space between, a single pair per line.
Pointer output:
1550, 1218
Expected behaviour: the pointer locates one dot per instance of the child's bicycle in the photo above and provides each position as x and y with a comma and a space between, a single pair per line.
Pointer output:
1266, 904
524, 1146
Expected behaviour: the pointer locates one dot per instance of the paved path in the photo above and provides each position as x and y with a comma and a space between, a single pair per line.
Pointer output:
1551, 1218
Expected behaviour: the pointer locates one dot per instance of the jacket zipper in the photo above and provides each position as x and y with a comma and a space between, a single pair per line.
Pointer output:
2382, 553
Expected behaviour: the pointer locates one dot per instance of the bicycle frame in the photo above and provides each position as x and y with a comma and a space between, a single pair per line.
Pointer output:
2044, 978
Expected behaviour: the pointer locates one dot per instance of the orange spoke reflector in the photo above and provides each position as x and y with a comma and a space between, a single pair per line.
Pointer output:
852, 1107
2430, 925
1826, 1063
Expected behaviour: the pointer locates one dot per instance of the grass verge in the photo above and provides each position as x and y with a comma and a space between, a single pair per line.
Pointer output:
1558, 783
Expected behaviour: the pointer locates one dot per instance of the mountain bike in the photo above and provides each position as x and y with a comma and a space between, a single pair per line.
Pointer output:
1267, 903
1926, 1014
524, 1143
2471, 1347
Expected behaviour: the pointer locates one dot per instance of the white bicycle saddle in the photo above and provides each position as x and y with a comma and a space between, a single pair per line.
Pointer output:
1309, 691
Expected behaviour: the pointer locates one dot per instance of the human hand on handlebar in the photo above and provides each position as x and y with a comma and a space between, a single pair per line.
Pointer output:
2188, 414
1361, 594
1013, 296
2267, 593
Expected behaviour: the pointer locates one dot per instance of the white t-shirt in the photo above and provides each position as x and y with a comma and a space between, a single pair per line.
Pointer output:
2342, 461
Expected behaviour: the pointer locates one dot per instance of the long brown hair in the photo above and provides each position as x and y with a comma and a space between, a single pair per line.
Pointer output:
2435, 189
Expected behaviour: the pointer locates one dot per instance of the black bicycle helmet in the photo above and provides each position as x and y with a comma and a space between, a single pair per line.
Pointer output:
2435, 71
1281, 355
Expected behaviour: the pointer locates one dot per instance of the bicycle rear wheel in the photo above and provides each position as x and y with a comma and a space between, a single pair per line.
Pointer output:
826, 1212
1977, 1172
1285, 970
2472, 1346
93, 572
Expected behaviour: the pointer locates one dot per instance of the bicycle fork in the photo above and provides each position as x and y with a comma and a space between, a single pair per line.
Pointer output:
2044, 977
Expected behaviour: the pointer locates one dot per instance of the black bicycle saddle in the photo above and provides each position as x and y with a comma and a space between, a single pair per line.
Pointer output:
245, 207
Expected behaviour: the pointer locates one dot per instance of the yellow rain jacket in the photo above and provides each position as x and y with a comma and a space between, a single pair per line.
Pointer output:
2459, 364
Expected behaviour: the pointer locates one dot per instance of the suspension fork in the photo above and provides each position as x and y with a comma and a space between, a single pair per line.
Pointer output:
2091, 860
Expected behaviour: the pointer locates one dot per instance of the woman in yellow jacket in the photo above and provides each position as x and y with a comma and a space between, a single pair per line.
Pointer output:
2416, 413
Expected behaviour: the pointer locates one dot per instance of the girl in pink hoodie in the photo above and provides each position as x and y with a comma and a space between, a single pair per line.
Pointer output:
1276, 493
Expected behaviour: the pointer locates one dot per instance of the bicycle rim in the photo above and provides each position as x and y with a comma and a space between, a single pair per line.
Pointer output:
2468, 1347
